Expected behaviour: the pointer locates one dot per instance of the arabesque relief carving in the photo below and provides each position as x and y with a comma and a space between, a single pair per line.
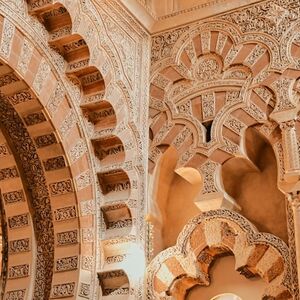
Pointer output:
82, 84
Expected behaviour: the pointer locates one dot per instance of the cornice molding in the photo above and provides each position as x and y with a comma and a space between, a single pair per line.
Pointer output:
154, 24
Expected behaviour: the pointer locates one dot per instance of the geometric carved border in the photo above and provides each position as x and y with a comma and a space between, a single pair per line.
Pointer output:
209, 236
32, 167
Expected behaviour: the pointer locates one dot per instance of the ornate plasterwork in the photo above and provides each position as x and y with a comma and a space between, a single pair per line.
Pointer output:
209, 236
245, 57
198, 60
123, 79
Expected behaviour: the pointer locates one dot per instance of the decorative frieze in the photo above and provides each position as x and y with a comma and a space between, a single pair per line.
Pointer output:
4, 150
255, 112
232, 97
68, 123
184, 108
56, 99
121, 285
231, 55
13, 197
83, 180
230, 147
208, 170
222, 39
55, 12
8, 79
87, 207
115, 259
290, 146
208, 106
205, 41
119, 224
265, 94
54, 163
8, 173
255, 55
88, 235
35, 4
15, 295
208, 68
87, 263
45, 140
181, 137
60, 33
61, 187
78, 150
269, 17
65, 213
25, 57
67, 238
100, 114
116, 292
91, 78
162, 44
117, 187
282, 88
66, 264
75, 66
20, 97
63, 290
8, 31
18, 246
18, 271
18, 221
85, 290
41, 76
75, 45
235, 125
34, 118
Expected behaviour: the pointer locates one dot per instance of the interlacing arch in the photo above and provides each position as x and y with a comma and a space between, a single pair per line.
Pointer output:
210, 86
212, 235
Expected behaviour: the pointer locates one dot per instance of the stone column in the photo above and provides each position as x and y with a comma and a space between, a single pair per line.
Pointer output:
290, 151
294, 199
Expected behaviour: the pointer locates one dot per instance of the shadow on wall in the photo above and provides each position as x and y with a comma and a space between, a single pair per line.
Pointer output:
231, 283
172, 193
253, 184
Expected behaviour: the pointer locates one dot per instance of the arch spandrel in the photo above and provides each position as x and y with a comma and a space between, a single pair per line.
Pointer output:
259, 60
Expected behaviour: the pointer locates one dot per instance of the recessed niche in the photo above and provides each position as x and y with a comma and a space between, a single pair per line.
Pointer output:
114, 283
109, 149
101, 114
116, 216
114, 184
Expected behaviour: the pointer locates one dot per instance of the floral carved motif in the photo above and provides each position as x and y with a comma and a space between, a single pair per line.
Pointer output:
34, 175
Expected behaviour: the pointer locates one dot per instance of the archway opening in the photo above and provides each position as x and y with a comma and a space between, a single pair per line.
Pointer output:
227, 296
172, 192
228, 286
253, 184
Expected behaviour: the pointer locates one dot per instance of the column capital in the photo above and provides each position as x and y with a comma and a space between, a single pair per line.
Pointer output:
294, 199
287, 124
